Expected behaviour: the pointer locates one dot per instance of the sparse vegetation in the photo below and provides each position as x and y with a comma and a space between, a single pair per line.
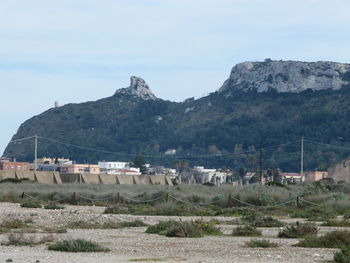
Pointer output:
54, 206
135, 223
19, 239
343, 256
31, 204
334, 239
77, 245
298, 230
263, 243
196, 228
7, 225
259, 220
246, 230
105, 225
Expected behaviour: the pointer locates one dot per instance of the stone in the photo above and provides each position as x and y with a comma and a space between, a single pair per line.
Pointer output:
138, 88
286, 76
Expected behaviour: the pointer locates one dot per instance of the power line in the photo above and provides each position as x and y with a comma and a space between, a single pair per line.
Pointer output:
328, 145
162, 156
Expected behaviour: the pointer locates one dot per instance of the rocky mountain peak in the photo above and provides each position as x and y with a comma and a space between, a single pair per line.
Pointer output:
286, 76
138, 88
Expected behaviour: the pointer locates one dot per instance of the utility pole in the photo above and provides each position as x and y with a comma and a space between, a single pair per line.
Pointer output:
302, 159
260, 166
35, 153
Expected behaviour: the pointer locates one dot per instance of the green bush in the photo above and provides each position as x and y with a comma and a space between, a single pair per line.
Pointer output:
342, 256
334, 239
246, 230
31, 204
263, 243
77, 245
298, 230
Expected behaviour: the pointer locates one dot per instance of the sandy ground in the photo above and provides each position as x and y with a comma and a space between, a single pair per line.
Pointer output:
132, 244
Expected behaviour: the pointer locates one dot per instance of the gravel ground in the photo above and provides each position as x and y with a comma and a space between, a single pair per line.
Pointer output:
132, 244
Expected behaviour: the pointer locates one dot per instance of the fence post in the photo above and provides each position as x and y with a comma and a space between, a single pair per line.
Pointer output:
74, 198
298, 202
118, 198
229, 201
167, 198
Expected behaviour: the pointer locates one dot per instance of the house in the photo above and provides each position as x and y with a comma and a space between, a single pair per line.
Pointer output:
170, 152
48, 160
79, 168
291, 177
117, 168
210, 175
6, 165
314, 176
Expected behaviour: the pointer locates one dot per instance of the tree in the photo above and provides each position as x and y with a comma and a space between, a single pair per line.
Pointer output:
139, 162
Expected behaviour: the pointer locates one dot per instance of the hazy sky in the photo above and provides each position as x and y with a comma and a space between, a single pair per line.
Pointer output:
79, 50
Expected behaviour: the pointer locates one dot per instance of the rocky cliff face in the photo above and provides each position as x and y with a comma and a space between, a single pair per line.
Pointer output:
286, 76
138, 88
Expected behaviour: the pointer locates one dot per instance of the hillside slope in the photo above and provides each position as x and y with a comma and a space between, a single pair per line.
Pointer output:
261, 104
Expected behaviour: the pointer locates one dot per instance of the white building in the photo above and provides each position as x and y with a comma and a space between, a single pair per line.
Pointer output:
117, 168
211, 175
170, 152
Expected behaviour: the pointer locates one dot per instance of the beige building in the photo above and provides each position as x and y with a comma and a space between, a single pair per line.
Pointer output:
314, 176
80, 168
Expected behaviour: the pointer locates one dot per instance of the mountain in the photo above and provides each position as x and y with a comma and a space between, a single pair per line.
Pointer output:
261, 104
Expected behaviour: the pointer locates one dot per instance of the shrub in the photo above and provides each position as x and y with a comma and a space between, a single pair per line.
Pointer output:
18, 239
92, 225
298, 230
13, 224
208, 228
161, 227
31, 204
246, 230
263, 243
258, 220
337, 223
184, 229
196, 228
77, 245
342, 256
135, 223
334, 239
54, 206
315, 214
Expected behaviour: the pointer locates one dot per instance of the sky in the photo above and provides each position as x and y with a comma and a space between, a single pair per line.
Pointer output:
73, 51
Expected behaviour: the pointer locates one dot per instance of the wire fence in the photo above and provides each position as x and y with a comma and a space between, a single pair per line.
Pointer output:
230, 201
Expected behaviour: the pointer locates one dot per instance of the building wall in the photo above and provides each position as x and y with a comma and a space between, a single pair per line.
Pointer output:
14, 166
340, 171
80, 168
314, 176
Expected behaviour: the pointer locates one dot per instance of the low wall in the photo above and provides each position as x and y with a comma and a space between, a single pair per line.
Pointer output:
66, 178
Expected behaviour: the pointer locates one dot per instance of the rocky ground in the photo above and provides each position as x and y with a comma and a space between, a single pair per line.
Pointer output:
134, 245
